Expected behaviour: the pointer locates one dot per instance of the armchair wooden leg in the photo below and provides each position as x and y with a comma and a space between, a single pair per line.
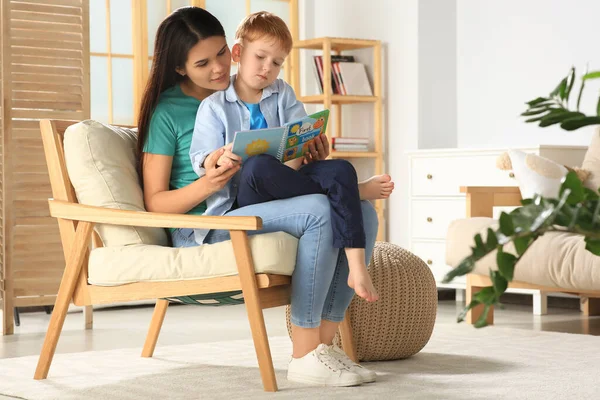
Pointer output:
157, 320
590, 306
347, 338
243, 257
476, 312
88, 314
65, 294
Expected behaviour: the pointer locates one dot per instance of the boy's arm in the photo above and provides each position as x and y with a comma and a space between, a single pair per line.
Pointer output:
209, 135
291, 109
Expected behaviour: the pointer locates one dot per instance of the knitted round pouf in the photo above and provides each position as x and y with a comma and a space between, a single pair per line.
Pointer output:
400, 323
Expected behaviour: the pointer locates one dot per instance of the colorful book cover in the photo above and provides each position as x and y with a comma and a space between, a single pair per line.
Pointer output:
285, 143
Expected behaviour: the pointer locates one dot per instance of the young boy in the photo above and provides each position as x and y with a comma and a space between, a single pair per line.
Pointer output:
256, 99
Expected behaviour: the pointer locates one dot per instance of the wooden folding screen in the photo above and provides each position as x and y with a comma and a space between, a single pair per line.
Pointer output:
44, 58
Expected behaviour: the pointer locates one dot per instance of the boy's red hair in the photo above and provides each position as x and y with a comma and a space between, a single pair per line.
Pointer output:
264, 24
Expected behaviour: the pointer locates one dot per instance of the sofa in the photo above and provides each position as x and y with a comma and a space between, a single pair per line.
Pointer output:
556, 262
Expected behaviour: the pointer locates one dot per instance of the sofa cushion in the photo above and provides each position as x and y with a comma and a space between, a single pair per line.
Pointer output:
147, 263
101, 164
536, 174
556, 259
591, 161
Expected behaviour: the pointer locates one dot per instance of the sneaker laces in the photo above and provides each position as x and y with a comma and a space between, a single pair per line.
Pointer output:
328, 358
342, 357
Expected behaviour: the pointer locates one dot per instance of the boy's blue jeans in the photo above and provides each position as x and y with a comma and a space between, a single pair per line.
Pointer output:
320, 281
264, 178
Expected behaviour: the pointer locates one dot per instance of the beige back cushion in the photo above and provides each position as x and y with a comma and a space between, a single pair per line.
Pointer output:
102, 167
591, 161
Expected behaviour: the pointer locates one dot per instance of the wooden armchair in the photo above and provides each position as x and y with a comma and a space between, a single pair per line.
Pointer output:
480, 203
76, 223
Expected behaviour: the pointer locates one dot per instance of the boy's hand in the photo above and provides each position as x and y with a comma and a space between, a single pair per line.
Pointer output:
318, 149
218, 176
228, 158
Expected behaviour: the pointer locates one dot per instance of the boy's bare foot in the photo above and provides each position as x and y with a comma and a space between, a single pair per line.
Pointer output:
360, 281
376, 187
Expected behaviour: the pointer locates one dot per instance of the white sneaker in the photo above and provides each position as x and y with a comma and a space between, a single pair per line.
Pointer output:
367, 375
321, 367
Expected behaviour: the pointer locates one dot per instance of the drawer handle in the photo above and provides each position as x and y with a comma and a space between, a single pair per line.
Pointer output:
429, 176
429, 262
429, 219
511, 175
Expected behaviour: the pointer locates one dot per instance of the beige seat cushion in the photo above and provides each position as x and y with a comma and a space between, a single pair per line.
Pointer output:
145, 263
556, 259
101, 164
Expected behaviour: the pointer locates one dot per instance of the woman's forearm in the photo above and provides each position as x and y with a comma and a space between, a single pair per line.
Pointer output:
180, 201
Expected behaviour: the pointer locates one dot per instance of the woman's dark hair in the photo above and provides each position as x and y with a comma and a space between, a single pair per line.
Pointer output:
176, 35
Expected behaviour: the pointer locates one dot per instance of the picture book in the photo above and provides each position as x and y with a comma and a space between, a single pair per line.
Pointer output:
285, 143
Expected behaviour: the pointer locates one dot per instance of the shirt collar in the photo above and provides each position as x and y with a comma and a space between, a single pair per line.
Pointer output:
232, 96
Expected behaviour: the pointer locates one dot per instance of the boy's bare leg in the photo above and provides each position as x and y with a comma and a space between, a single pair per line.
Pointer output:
376, 187
359, 278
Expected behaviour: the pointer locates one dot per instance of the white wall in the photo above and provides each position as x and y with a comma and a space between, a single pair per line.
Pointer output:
511, 51
437, 74
394, 22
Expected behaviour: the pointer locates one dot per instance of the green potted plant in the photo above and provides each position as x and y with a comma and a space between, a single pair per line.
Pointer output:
576, 210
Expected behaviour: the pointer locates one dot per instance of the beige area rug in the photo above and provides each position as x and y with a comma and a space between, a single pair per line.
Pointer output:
459, 362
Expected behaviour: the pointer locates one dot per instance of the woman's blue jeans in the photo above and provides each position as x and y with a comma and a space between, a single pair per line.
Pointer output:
320, 280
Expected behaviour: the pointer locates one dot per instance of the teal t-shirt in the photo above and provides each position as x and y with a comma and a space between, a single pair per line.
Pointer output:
257, 119
170, 134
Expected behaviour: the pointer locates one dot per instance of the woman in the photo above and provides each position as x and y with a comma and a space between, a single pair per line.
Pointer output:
192, 61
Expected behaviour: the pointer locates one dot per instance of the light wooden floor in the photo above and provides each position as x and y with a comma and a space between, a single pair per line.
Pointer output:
125, 327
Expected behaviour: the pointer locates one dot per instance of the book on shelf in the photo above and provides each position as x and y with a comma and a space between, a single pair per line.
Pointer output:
355, 80
350, 144
351, 147
348, 77
350, 140
335, 79
285, 143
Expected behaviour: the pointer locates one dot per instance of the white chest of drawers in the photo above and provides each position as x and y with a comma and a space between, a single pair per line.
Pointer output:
435, 199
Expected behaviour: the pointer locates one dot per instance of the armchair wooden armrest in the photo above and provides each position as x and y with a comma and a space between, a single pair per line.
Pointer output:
102, 215
481, 200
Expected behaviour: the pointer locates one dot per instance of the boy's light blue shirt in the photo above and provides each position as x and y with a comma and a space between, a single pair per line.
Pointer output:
219, 117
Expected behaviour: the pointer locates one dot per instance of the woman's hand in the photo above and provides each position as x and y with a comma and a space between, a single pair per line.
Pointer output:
218, 176
318, 149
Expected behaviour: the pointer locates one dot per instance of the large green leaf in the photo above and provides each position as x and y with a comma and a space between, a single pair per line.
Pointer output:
499, 283
482, 321
571, 124
591, 75
506, 224
487, 295
522, 243
506, 264
463, 313
572, 183
558, 117
593, 245
465, 267
537, 111
492, 240
560, 89
536, 101
580, 93
571, 82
